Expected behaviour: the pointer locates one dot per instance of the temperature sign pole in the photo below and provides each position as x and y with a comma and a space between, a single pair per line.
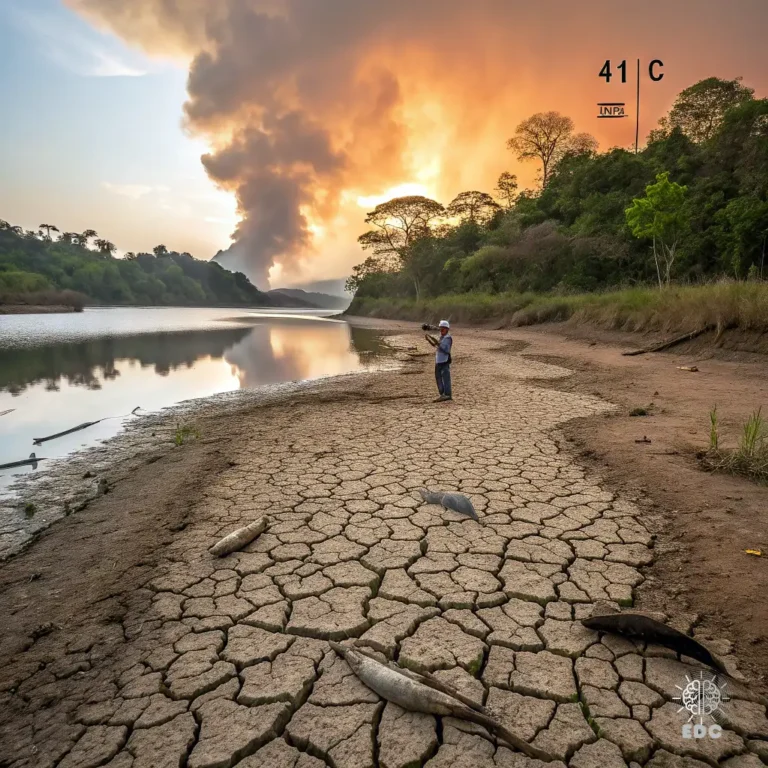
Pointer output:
616, 109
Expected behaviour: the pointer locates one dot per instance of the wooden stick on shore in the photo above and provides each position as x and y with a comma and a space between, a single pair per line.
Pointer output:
668, 344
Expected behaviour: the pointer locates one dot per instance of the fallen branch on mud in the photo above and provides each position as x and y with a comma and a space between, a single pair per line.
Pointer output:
31, 461
667, 344
84, 425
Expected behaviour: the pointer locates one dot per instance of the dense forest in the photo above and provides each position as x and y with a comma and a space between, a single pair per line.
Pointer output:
41, 263
689, 207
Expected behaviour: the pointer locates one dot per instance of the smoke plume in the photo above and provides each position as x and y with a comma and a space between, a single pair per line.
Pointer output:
315, 108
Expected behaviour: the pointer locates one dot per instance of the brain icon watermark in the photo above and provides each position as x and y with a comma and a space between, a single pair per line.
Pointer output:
702, 698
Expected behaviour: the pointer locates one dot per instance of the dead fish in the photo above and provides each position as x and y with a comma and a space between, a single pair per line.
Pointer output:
408, 692
32, 460
645, 628
455, 501
239, 538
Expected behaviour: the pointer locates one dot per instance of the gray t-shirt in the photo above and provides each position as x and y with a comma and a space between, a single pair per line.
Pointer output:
443, 349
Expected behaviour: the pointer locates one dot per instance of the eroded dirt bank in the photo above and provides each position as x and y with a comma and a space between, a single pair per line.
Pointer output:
126, 644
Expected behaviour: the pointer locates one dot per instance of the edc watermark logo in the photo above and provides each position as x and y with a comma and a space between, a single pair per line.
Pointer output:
702, 697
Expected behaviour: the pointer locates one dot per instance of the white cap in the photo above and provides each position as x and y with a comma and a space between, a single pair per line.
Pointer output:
444, 324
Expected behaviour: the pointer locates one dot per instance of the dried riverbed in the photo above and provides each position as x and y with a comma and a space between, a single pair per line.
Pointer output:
159, 655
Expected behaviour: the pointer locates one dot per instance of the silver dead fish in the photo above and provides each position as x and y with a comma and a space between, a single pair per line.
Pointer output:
417, 694
449, 500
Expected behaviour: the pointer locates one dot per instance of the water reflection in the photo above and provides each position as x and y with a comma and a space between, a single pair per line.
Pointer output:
297, 349
268, 353
89, 363
54, 386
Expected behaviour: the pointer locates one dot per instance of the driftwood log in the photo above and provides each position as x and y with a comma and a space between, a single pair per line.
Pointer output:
31, 461
84, 425
667, 344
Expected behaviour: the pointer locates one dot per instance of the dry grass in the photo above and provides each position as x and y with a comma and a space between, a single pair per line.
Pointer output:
749, 459
679, 309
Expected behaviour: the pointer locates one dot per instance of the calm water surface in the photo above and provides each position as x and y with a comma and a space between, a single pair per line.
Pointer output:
58, 371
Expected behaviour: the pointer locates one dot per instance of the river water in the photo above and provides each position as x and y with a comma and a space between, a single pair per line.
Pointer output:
60, 370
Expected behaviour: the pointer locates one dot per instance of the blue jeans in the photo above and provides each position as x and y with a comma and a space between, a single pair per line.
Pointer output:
443, 378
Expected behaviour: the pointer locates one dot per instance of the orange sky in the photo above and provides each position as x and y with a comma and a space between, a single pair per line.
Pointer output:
310, 106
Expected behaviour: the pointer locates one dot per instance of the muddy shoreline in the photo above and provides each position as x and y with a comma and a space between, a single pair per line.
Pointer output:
67, 485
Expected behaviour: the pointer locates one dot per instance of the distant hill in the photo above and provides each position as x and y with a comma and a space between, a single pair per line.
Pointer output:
333, 287
34, 262
232, 260
313, 298
281, 299
329, 294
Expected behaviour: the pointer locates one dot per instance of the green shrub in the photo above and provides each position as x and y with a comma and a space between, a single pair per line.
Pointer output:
16, 281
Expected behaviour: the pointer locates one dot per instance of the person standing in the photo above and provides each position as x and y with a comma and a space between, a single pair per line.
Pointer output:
443, 347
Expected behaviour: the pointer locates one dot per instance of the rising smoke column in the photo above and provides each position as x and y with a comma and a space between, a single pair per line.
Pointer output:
308, 104
284, 94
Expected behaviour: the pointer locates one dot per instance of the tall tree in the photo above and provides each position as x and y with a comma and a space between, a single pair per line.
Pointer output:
659, 216
742, 235
48, 229
506, 188
548, 137
160, 250
398, 223
84, 237
69, 238
105, 247
474, 206
699, 110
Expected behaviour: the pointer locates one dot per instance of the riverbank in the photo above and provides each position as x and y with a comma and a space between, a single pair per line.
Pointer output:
31, 309
125, 638
727, 307
41, 302
68, 485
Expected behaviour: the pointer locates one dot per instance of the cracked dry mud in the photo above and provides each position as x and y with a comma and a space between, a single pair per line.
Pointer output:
223, 662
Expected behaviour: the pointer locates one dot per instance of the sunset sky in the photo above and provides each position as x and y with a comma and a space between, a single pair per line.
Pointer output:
309, 112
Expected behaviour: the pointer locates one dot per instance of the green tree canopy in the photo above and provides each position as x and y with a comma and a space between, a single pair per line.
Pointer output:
474, 206
398, 224
506, 188
699, 110
659, 216
30, 262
